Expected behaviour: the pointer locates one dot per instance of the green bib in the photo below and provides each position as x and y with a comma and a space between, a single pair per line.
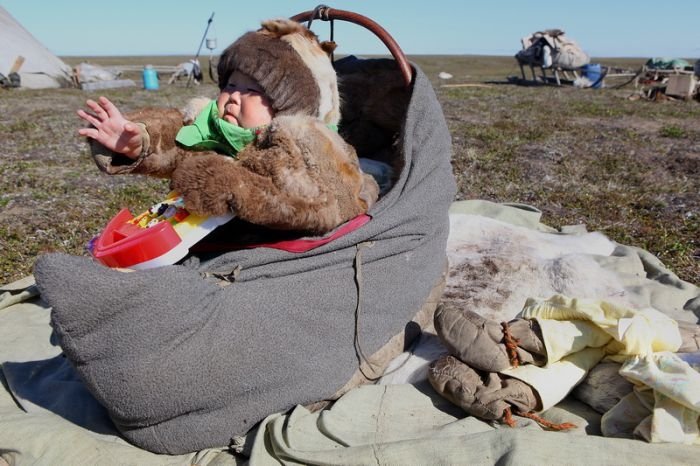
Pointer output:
209, 132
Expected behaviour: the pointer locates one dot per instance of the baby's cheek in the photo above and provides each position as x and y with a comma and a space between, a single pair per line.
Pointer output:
267, 109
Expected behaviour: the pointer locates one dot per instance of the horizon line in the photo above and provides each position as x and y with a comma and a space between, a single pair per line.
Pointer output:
141, 55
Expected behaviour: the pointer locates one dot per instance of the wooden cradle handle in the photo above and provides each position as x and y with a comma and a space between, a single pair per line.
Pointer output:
326, 13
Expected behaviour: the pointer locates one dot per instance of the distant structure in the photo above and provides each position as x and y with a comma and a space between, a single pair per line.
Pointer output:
25, 62
550, 49
189, 69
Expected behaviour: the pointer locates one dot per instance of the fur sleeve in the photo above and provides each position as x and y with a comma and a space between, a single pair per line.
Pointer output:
298, 175
160, 155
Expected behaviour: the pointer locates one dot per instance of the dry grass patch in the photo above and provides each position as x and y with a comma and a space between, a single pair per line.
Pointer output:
630, 169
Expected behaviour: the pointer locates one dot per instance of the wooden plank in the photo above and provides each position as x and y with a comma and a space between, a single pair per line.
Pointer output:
466, 85
19, 61
160, 68
681, 85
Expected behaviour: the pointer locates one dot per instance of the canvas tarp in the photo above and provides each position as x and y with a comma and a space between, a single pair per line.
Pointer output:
53, 419
40, 68
552, 48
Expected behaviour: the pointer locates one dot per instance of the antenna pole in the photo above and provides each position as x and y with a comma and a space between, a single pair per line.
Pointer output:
211, 18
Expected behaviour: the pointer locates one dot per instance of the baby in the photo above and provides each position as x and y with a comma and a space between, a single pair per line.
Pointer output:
284, 165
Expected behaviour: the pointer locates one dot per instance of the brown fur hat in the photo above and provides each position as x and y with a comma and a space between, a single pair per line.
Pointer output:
291, 65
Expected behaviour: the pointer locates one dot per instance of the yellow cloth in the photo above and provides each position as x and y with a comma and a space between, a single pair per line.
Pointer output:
632, 332
667, 394
579, 333
555, 381
565, 337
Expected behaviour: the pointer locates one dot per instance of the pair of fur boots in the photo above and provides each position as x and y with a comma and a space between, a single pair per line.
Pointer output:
479, 349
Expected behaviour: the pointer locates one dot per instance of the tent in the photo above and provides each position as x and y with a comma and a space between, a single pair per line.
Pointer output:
21, 52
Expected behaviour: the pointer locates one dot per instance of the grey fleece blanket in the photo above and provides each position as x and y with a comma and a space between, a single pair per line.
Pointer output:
182, 363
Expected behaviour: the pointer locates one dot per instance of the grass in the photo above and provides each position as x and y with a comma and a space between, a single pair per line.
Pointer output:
672, 131
624, 166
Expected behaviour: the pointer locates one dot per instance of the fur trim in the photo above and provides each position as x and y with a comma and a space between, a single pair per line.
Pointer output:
193, 108
317, 61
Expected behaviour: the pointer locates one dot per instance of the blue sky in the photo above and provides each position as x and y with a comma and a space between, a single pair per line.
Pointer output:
609, 28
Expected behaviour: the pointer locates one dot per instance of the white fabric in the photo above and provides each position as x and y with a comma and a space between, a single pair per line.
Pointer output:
552, 48
90, 73
674, 413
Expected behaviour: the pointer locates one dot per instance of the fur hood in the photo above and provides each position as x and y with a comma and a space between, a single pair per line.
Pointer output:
291, 65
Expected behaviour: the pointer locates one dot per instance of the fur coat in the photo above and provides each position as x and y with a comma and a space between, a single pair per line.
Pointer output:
297, 175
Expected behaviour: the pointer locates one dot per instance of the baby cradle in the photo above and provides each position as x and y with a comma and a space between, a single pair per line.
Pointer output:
185, 357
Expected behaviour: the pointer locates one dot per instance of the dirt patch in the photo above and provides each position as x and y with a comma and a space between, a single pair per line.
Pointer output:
633, 123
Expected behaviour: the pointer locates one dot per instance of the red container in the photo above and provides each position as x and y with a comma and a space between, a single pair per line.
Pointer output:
123, 244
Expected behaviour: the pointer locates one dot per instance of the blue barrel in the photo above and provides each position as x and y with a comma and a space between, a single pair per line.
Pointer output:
150, 78
592, 72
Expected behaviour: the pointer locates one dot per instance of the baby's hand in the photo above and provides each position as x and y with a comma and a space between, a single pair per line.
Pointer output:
111, 129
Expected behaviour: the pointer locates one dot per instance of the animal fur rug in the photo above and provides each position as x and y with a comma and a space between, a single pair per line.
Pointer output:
495, 266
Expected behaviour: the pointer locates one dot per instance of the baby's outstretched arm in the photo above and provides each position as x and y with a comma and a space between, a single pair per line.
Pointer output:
111, 129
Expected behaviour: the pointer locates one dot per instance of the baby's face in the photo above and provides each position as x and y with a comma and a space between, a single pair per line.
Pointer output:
243, 103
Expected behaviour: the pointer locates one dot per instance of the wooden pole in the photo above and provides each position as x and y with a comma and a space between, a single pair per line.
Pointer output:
189, 79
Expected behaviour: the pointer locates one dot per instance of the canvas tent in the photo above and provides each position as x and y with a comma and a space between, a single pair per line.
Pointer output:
40, 68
